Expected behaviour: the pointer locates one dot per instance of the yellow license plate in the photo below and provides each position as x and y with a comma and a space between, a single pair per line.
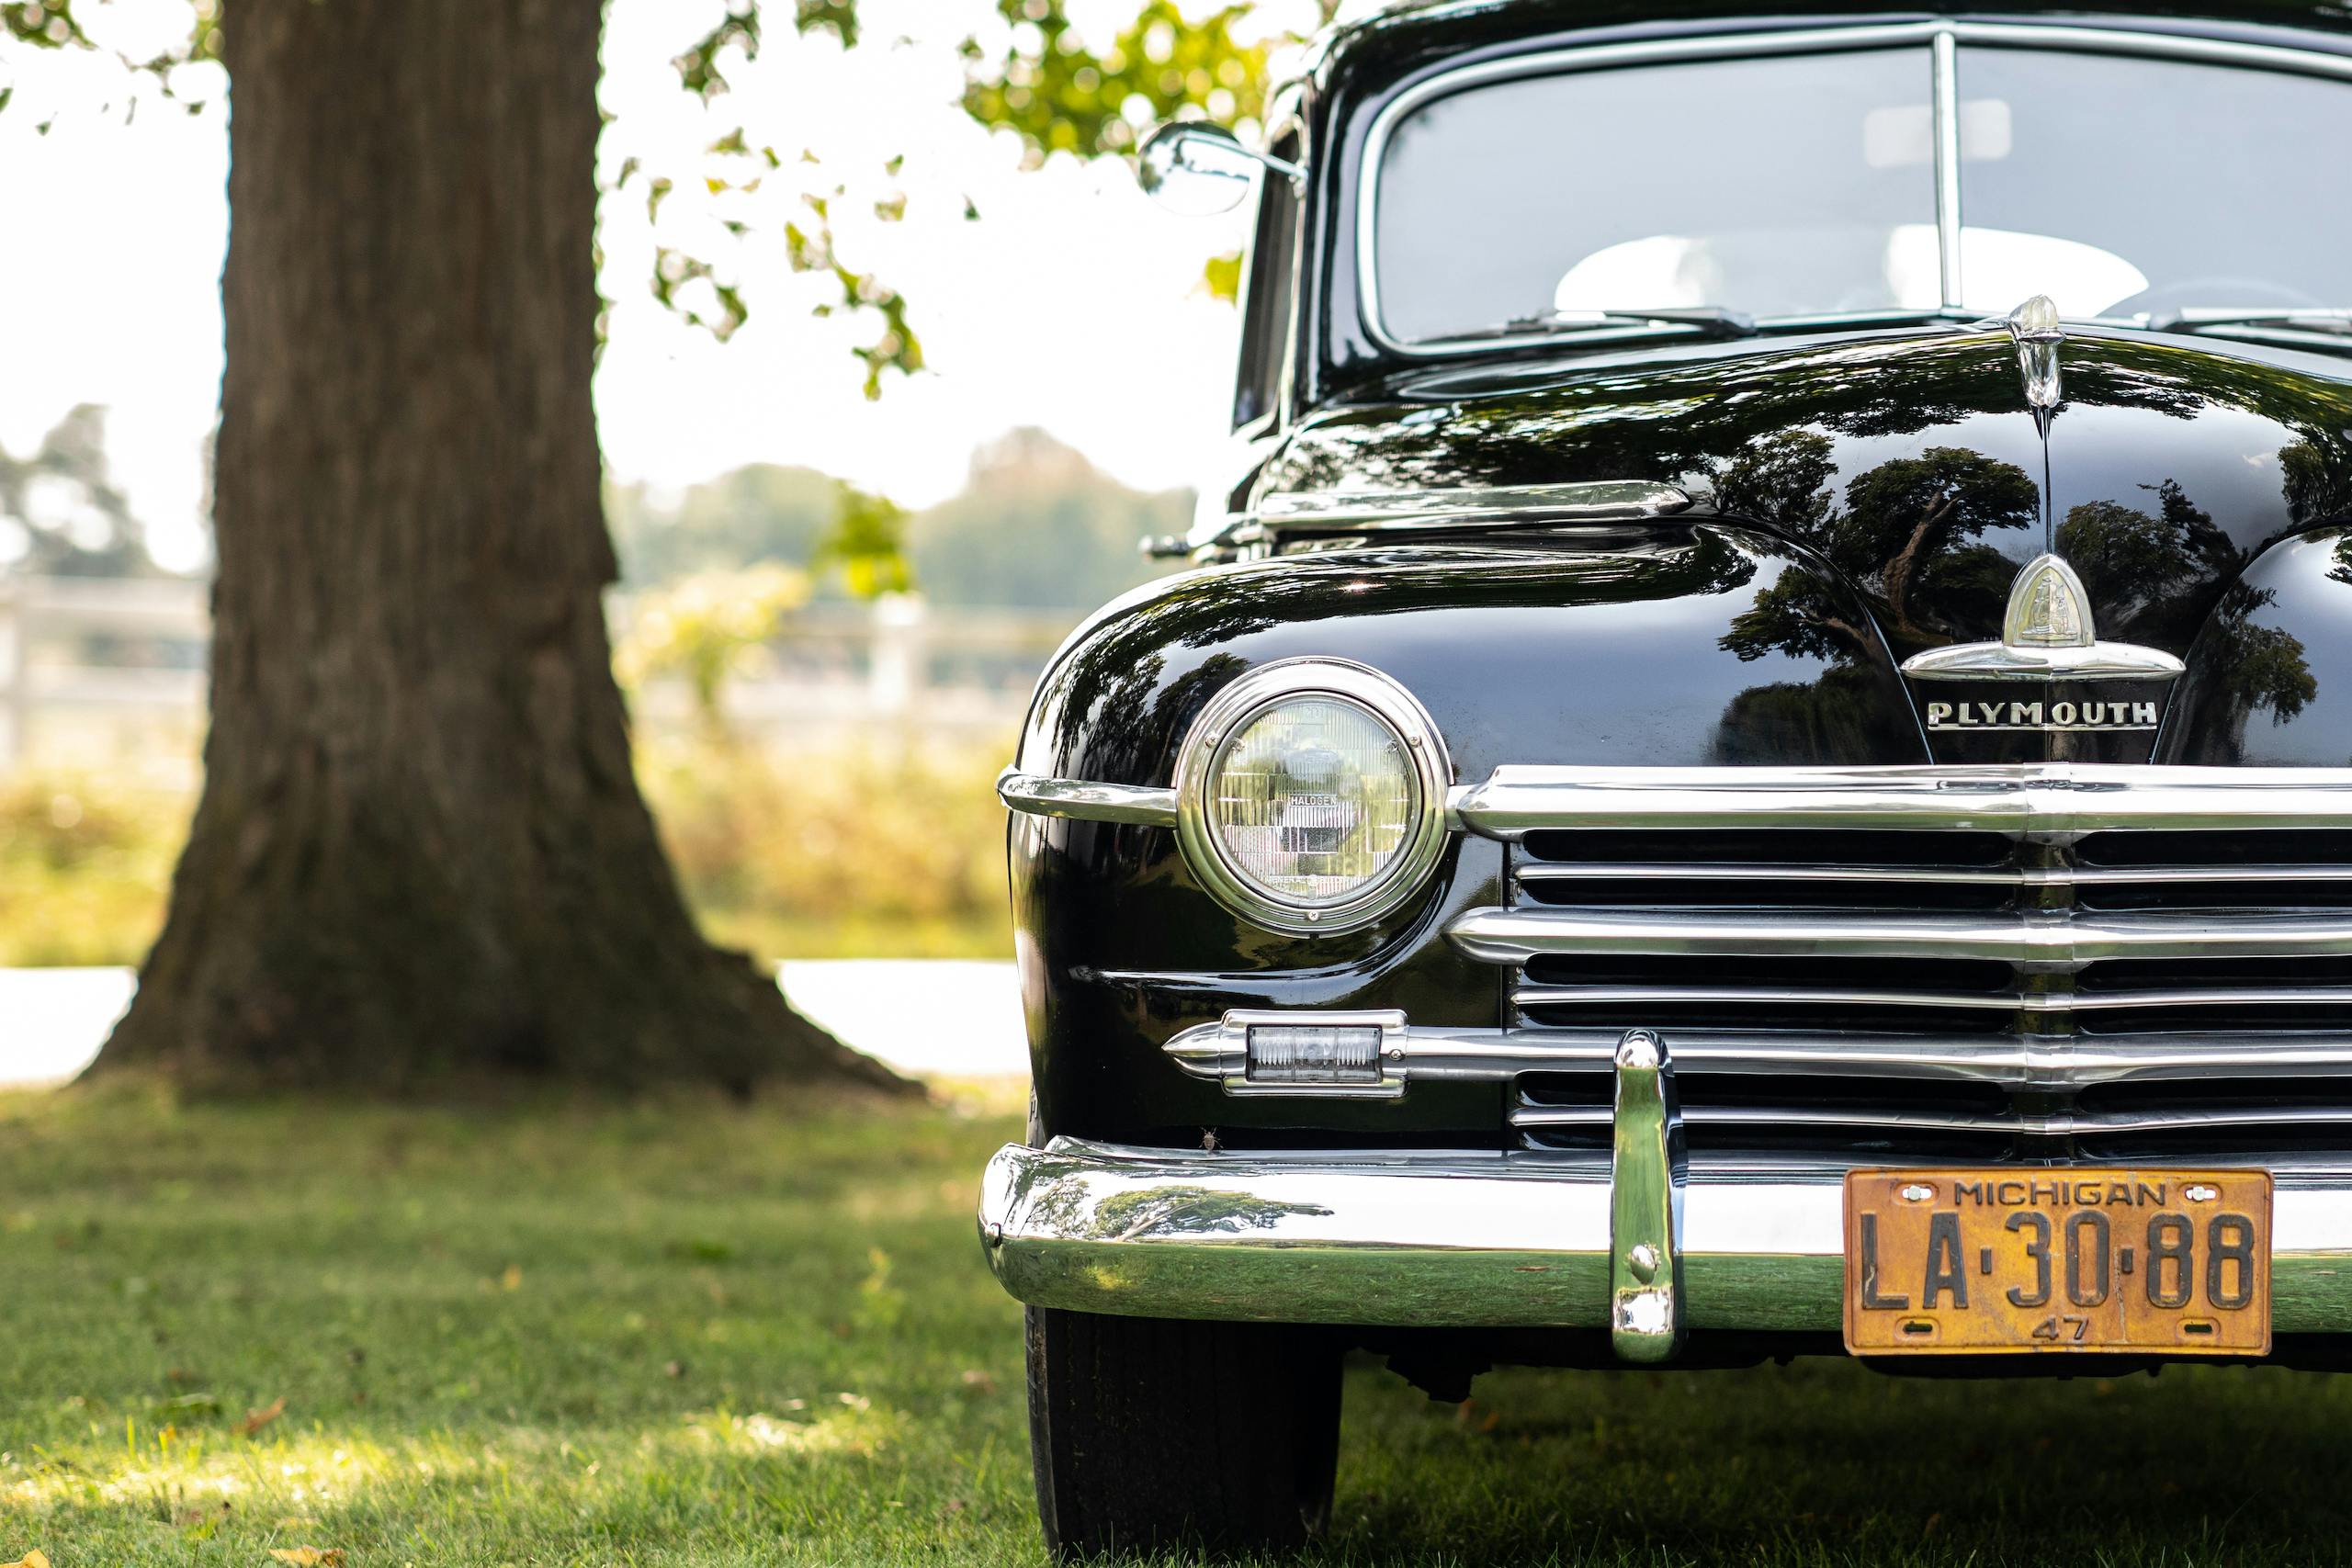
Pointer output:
1974, 1262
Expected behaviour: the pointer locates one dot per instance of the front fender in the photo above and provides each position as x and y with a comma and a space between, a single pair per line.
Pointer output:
1708, 644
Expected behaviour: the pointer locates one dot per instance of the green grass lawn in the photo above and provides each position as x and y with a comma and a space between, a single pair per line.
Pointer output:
711, 1334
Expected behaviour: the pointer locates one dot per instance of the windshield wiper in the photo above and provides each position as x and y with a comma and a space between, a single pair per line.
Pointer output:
1711, 321
2310, 319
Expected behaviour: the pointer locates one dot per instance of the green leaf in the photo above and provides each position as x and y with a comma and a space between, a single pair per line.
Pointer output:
1221, 276
868, 543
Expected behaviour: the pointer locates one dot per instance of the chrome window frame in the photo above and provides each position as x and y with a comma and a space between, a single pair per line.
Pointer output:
1939, 40
1359, 685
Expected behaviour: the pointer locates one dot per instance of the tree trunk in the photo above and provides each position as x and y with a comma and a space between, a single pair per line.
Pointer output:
420, 856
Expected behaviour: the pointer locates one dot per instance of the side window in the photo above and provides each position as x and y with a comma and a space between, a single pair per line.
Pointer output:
1266, 299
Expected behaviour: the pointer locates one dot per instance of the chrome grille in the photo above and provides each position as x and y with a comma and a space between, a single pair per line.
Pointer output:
2034, 963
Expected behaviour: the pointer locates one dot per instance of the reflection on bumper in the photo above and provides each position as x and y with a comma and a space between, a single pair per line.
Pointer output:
1472, 1240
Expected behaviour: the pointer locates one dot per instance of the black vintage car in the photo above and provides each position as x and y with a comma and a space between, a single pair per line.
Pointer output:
1754, 759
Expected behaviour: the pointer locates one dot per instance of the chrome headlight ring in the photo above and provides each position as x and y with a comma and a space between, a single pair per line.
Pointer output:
1229, 715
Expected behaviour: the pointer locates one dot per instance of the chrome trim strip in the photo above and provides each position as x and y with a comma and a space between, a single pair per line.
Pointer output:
2003, 662
1434, 1054
2051, 802
1453, 506
1947, 123
1812, 40
1442, 508
2008, 1123
1035, 795
2156, 46
1981, 876
1479, 1240
2067, 941
1533, 996
1038, 796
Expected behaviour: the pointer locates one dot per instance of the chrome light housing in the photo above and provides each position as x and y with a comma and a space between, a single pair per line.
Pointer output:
1310, 796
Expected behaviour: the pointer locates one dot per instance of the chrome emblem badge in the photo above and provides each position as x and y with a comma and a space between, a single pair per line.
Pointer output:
2047, 636
2047, 607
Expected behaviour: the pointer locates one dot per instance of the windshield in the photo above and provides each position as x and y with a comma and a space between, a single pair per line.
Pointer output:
1806, 185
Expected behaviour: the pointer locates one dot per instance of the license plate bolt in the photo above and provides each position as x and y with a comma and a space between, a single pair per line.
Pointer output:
2198, 1192
1919, 1192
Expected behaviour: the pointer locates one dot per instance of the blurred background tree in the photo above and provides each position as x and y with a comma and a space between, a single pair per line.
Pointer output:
60, 514
420, 854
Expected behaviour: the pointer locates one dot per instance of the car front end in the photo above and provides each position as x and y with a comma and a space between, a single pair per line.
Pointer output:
1686, 834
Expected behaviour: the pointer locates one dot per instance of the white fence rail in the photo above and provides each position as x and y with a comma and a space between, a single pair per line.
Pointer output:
96, 669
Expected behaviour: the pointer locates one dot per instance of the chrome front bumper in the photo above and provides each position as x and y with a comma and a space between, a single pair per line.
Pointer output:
1464, 1240
1646, 1245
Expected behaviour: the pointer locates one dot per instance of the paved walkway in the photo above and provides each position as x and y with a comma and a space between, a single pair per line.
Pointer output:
919, 1015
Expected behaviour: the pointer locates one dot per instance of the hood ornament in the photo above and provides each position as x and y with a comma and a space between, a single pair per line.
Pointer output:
2048, 634
2034, 328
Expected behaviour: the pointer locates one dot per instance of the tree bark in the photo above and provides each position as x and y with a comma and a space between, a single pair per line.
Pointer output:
420, 856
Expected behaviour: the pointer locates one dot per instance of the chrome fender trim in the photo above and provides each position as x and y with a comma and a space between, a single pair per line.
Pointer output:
1038, 796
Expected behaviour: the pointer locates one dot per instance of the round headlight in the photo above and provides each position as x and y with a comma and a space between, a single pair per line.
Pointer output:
1311, 796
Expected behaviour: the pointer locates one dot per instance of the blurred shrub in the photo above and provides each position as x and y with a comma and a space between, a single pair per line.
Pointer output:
831, 854
708, 628
83, 869
848, 853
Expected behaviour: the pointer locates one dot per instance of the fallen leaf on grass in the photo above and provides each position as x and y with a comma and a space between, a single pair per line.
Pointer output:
978, 1381
256, 1419
512, 1279
36, 1558
309, 1556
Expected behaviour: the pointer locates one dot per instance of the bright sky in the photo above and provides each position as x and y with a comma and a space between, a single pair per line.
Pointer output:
1073, 304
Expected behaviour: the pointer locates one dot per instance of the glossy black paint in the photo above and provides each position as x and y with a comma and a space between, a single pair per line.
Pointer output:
2269, 681
1909, 461
1652, 646
1909, 464
1862, 496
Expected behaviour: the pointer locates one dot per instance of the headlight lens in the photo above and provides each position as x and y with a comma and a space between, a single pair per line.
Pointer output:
1310, 796
1312, 801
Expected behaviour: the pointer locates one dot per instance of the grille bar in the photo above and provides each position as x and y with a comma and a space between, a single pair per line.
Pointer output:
2061, 941
2045, 803
1978, 876
1532, 996
1526, 1115
1431, 1054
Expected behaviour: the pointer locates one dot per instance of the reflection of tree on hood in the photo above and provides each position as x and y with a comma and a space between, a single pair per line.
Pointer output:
2242, 666
1911, 530
2316, 475
1906, 535
1825, 722
2152, 575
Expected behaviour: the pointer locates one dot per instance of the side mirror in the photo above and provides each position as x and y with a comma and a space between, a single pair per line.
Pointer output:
1196, 168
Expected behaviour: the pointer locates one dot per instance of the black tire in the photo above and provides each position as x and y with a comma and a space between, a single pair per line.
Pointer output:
1151, 1434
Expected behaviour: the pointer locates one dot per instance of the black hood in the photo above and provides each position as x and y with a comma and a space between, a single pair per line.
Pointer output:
1909, 462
